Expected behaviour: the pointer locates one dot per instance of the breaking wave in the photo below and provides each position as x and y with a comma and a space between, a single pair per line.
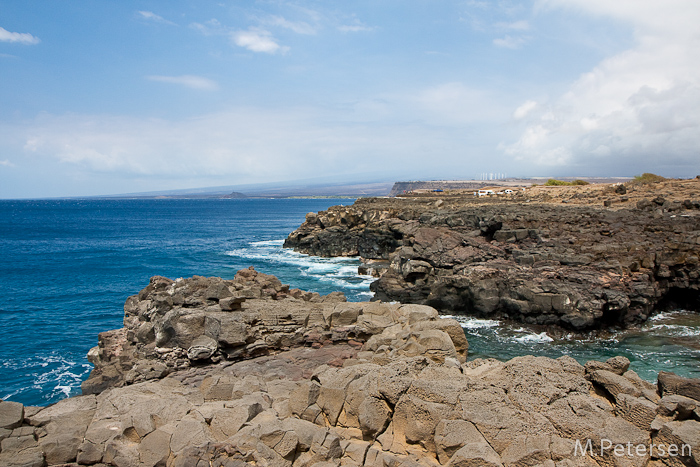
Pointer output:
315, 273
50, 377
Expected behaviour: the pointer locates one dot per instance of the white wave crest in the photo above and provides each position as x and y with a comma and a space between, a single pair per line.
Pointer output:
677, 330
268, 243
339, 271
540, 338
474, 323
665, 315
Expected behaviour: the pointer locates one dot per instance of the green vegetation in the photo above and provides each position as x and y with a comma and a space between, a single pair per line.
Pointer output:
553, 182
647, 178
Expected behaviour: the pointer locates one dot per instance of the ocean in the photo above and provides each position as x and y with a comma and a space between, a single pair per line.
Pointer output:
68, 266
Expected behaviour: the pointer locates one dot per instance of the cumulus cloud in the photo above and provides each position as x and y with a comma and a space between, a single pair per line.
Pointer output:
150, 16
257, 40
190, 81
640, 106
20, 37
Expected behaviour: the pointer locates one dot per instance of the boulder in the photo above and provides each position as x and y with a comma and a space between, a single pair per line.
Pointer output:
475, 455
614, 384
11, 414
21, 451
374, 416
679, 407
453, 435
636, 410
670, 383
681, 440
202, 348
154, 448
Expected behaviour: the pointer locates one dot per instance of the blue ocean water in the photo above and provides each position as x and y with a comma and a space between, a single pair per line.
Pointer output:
67, 266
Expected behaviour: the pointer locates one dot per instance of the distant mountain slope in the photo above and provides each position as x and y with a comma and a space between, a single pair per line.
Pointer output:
272, 190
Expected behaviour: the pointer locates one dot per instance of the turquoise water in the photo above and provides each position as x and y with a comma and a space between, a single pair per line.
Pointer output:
669, 341
67, 267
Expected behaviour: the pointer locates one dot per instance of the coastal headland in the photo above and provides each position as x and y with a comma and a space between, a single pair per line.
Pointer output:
212, 372
578, 257
224, 373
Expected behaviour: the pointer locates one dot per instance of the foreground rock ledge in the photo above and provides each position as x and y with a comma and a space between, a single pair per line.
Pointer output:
208, 372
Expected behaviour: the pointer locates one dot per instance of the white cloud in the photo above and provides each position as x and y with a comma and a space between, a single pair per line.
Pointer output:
251, 145
21, 37
209, 28
6, 163
257, 40
149, 15
190, 81
354, 28
509, 42
522, 111
298, 27
638, 108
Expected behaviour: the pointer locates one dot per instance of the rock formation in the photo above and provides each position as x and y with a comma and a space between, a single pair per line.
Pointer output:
555, 256
208, 372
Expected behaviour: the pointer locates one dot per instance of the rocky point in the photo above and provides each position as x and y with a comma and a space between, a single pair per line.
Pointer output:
581, 258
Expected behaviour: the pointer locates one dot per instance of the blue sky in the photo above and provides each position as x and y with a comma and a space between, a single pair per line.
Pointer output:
100, 97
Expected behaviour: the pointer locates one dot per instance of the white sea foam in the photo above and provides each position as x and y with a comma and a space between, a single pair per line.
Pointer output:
677, 330
474, 323
52, 370
496, 329
339, 271
532, 338
65, 390
268, 243
666, 315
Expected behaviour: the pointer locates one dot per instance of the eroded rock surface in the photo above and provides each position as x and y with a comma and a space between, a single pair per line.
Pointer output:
575, 265
322, 382
172, 325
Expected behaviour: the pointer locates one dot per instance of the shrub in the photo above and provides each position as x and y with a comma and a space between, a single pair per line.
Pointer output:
554, 182
647, 178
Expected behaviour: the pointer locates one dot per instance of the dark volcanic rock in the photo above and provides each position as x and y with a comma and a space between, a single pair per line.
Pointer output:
576, 266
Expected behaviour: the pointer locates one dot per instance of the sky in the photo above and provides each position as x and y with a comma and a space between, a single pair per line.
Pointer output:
104, 97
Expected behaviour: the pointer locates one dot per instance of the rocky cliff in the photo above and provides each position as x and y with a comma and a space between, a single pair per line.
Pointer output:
577, 257
208, 372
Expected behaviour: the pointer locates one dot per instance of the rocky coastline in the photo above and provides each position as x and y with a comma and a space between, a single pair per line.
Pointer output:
580, 258
223, 373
